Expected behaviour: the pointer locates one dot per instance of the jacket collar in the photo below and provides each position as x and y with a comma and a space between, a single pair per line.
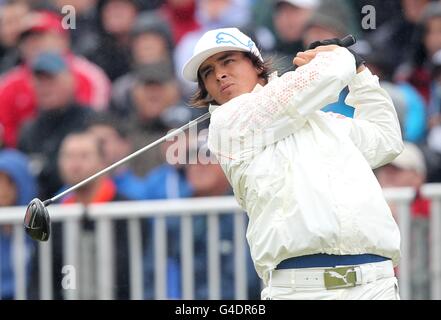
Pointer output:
257, 88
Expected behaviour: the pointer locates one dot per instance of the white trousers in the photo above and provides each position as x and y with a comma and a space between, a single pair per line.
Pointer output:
376, 281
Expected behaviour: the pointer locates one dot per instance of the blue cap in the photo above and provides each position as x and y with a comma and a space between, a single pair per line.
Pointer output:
50, 63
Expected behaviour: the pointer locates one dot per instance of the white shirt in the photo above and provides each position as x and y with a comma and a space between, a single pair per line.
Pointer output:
304, 176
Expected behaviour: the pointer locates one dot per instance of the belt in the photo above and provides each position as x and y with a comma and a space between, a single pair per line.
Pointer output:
328, 260
333, 278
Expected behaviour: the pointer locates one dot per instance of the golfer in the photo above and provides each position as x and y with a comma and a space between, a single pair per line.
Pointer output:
319, 226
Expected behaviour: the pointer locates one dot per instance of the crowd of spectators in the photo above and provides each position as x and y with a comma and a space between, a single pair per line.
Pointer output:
79, 92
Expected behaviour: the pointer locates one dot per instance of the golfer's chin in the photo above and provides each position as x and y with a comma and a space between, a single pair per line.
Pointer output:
228, 94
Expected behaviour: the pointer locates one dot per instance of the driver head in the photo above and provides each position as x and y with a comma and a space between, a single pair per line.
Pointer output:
37, 221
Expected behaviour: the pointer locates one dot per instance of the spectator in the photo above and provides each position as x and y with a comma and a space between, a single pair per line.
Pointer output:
58, 115
181, 16
416, 68
151, 42
113, 135
378, 63
434, 106
18, 100
409, 170
405, 97
329, 21
345, 10
82, 155
10, 29
409, 101
17, 188
204, 178
432, 152
289, 19
116, 20
398, 37
154, 91
84, 35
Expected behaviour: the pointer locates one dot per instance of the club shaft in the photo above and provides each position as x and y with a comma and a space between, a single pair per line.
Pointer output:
128, 158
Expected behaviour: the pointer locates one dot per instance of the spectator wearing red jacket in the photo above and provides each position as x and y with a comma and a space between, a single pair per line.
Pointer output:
181, 15
18, 102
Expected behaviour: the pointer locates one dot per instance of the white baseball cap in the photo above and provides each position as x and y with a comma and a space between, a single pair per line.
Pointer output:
306, 4
411, 158
215, 41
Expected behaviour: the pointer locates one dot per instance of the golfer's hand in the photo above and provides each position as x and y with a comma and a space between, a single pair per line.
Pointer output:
304, 57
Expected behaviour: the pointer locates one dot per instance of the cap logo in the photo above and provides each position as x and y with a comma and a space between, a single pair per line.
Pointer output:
223, 37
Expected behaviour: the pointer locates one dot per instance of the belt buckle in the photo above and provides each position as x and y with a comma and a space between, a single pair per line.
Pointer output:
341, 277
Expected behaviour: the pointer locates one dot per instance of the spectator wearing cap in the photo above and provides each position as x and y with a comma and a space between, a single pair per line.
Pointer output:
406, 170
432, 152
17, 188
18, 99
151, 39
330, 20
153, 92
58, 115
151, 42
116, 19
289, 19
409, 170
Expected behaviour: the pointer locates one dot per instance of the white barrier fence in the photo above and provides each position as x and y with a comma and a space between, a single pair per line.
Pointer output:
105, 214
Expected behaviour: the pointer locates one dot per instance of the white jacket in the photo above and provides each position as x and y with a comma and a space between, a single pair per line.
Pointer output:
304, 176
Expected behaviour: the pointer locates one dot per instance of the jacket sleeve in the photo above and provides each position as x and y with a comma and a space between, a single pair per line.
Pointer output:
281, 107
375, 129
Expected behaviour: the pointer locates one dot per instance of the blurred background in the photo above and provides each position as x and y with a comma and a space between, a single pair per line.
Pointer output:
83, 83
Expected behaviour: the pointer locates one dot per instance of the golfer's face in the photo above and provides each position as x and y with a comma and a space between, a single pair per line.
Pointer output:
227, 75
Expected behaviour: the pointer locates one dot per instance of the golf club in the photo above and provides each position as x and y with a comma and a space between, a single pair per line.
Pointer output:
37, 220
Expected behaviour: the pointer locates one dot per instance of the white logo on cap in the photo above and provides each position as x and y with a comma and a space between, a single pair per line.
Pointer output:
223, 37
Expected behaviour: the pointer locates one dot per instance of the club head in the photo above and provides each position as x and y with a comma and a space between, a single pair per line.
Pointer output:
37, 222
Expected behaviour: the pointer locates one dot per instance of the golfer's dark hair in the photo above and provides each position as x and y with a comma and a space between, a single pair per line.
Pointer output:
202, 99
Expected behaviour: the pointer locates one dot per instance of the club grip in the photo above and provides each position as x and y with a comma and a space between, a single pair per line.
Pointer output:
348, 41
